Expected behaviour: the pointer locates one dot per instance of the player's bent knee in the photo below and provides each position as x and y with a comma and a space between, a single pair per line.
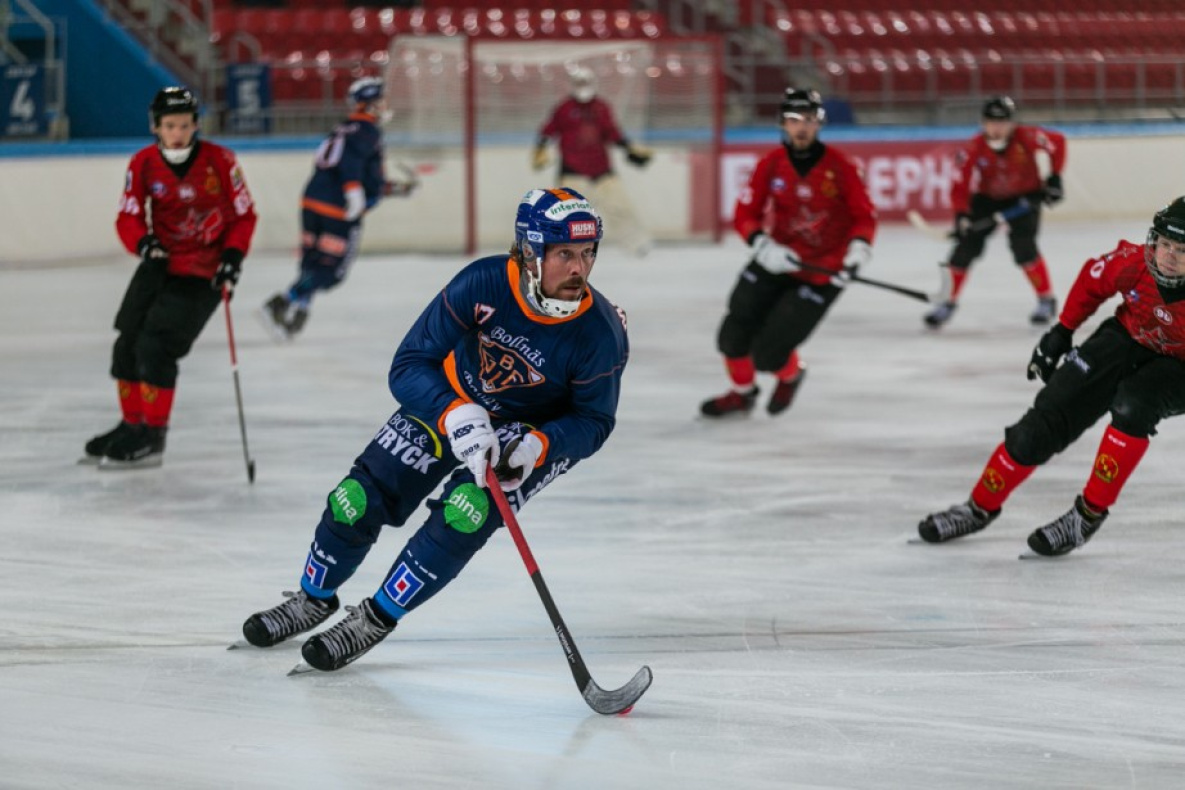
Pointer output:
355, 512
735, 337
1134, 416
1032, 441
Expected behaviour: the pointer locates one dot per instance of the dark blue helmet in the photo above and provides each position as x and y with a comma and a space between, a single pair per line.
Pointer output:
365, 90
552, 216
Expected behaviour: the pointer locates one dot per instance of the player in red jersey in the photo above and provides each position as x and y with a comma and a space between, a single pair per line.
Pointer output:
1133, 366
999, 178
187, 214
584, 126
809, 223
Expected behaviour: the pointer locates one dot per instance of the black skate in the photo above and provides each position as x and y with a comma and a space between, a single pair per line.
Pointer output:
299, 318
274, 315
139, 448
299, 613
731, 402
784, 393
1068, 532
96, 448
347, 641
1044, 312
937, 317
955, 522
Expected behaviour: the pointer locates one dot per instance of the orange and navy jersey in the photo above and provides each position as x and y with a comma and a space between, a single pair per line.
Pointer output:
479, 341
583, 130
817, 214
350, 156
194, 217
1005, 174
1148, 318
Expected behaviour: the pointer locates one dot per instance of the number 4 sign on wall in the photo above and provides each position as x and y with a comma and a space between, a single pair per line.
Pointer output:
22, 101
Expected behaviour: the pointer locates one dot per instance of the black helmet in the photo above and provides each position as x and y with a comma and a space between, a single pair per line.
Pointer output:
1169, 222
999, 108
173, 101
801, 101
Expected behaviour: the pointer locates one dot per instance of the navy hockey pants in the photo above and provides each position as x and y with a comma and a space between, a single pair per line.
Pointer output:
402, 465
1109, 372
328, 247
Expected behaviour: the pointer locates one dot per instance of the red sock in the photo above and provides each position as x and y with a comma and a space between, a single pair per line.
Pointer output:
1038, 275
1000, 478
741, 371
1118, 456
158, 402
954, 282
129, 401
790, 369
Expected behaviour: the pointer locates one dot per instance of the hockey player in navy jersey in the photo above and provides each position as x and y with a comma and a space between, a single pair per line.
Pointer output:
517, 362
348, 180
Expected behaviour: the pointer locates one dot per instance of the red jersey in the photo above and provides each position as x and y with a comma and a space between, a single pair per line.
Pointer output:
195, 217
816, 215
1144, 314
1005, 174
583, 130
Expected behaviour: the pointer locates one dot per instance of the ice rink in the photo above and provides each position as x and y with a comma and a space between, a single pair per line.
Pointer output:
759, 566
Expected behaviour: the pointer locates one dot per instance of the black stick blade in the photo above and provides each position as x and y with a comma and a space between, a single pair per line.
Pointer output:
619, 700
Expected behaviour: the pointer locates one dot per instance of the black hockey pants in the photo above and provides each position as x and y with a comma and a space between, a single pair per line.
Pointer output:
770, 315
1109, 372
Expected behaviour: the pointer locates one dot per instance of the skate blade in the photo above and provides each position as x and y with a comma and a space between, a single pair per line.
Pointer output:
300, 669
277, 332
90, 460
147, 462
1032, 555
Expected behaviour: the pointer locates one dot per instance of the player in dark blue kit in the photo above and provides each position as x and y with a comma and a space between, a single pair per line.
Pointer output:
348, 180
516, 363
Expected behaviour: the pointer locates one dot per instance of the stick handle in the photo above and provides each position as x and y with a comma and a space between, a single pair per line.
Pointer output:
921, 296
234, 369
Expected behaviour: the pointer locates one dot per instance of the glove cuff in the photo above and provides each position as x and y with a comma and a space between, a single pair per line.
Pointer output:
233, 256
466, 412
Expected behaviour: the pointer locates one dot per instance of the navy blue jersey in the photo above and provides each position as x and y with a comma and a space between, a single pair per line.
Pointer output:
351, 155
479, 341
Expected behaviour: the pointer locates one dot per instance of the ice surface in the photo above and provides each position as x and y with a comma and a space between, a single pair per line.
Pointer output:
759, 566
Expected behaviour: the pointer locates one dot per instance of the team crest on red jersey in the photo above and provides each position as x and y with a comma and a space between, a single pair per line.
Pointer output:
504, 368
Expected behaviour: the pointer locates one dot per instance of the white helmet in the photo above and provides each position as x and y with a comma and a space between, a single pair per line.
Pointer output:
584, 84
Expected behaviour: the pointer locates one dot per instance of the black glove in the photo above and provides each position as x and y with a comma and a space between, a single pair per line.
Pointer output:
152, 251
228, 270
1053, 189
637, 155
962, 227
1052, 347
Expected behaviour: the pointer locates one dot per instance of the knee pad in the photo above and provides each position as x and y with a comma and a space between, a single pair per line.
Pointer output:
1134, 416
156, 362
967, 250
1033, 440
735, 337
123, 359
1024, 249
768, 357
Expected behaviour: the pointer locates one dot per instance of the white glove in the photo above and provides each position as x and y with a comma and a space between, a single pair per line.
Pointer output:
859, 254
774, 257
472, 439
355, 203
523, 455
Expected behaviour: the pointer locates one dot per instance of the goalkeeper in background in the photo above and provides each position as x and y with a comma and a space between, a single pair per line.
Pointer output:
583, 126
